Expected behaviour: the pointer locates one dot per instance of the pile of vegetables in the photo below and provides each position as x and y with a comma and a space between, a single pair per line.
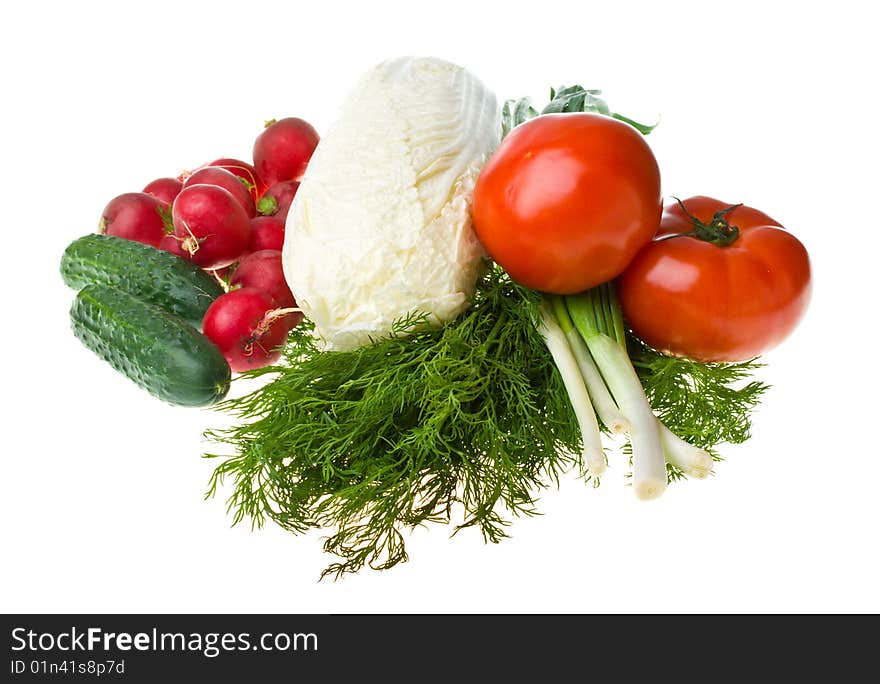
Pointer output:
570, 305
183, 283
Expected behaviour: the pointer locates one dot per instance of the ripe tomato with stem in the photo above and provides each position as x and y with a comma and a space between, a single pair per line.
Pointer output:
722, 282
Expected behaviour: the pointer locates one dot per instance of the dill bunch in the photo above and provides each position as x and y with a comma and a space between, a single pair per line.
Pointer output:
375, 441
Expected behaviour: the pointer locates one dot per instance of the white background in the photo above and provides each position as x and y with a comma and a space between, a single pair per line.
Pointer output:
771, 104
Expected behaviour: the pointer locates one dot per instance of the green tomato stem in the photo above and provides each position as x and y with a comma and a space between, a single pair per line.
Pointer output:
717, 232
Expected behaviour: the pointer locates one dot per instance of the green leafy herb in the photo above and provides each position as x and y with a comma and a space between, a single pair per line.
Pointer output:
704, 403
563, 100
516, 112
398, 433
576, 99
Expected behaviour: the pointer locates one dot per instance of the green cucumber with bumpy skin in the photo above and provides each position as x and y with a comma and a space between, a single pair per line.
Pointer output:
157, 350
151, 274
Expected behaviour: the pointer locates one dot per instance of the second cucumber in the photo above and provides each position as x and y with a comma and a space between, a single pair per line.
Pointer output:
150, 346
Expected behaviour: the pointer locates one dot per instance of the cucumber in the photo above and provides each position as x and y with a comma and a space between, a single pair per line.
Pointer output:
157, 350
148, 273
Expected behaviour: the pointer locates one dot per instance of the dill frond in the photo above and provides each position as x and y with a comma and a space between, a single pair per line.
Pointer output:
703, 403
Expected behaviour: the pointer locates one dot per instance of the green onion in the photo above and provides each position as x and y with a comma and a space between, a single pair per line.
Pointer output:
595, 316
566, 363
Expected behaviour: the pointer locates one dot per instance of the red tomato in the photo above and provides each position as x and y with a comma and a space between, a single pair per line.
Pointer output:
567, 200
721, 283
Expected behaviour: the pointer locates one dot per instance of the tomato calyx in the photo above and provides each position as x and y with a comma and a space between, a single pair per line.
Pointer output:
717, 231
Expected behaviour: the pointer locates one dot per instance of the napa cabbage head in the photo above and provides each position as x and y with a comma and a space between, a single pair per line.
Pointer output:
380, 227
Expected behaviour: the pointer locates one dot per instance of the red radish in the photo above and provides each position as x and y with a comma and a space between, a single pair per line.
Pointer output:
282, 151
247, 327
136, 216
171, 243
262, 271
267, 232
239, 168
214, 175
165, 189
277, 199
211, 225
244, 171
